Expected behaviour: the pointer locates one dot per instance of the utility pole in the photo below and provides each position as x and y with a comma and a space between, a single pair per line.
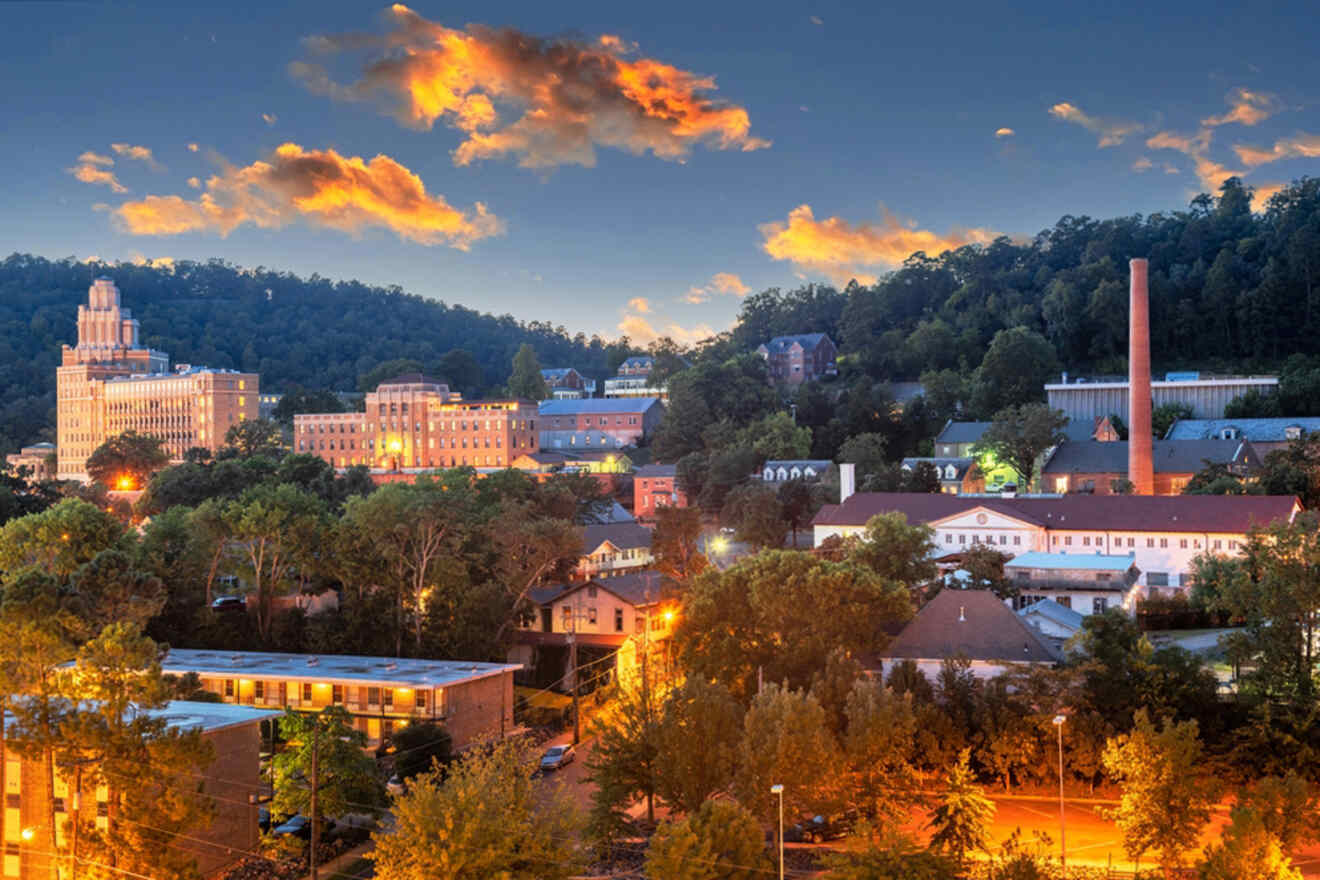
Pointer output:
77, 820
316, 826
572, 664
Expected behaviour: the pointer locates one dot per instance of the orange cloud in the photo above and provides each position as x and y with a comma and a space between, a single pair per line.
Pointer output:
1142, 164
1112, 132
564, 97
192, 148
839, 250
720, 282
1004, 132
138, 153
1210, 173
640, 304
1299, 146
1246, 108
194, 182
641, 331
269, 118
90, 170
346, 193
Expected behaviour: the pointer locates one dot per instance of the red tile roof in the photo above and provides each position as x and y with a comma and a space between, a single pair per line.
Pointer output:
1225, 514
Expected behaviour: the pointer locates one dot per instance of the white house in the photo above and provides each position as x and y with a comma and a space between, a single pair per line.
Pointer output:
776, 471
1161, 534
1087, 583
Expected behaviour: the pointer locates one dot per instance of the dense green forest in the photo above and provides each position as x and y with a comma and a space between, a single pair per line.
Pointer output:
1230, 290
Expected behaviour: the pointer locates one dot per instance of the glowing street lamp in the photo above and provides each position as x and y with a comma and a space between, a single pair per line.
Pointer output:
719, 544
778, 789
124, 483
28, 833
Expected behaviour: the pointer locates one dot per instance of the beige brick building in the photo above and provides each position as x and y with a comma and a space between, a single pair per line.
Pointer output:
108, 384
413, 421
232, 780
472, 700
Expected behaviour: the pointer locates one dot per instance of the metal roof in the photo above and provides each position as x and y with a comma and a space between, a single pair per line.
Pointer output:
598, 406
1256, 430
1070, 561
382, 671
1052, 610
962, 432
808, 341
974, 623
1170, 456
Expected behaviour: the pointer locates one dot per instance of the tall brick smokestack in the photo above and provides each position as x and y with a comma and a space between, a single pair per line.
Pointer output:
1141, 453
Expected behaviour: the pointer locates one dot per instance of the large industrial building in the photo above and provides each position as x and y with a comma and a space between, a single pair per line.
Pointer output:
109, 384
1085, 399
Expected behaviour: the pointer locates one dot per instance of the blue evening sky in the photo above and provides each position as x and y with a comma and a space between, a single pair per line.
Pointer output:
873, 111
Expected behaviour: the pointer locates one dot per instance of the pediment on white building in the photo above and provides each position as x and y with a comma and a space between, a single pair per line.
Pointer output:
981, 518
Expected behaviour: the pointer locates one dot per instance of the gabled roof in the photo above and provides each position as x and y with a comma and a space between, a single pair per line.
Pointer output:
551, 374
598, 406
639, 360
623, 535
973, 623
615, 514
657, 470
1051, 610
818, 464
962, 432
1221, 514
808, 341
1256, 430
1171, 456
1070, 561
961, 465
637, 588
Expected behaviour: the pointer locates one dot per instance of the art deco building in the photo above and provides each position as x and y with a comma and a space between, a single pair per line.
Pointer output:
413, 421
109, 383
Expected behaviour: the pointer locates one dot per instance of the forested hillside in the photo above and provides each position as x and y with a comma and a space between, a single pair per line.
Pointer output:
1229, 291
309, 332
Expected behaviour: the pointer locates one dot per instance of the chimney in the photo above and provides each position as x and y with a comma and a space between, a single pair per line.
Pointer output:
847, 481
1141, 466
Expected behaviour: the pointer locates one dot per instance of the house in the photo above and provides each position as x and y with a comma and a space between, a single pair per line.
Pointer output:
792, 360
566, 383
1052, 619
957, 475
783, 470
634, 379
472, 700
1094, 468
973, 624
1266, 435
232, 781
656, 486
598, 423
1162, 533
956, 439
637, 365
611, 549
598, 617
1088, 583
583, 461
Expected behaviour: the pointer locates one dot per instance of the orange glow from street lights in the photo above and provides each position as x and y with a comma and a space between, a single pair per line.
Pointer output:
27, 833
396, 446
668, 615
124, 483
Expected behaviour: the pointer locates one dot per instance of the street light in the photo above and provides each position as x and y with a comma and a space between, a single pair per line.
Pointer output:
1063, 846
28, 833
779, 790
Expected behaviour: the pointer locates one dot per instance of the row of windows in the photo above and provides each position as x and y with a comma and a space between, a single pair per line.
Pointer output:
1117, 543
585, 421
989, 539
372, 696
459, 425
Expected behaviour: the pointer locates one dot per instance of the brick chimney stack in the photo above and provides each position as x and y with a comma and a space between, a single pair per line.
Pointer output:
1141, 452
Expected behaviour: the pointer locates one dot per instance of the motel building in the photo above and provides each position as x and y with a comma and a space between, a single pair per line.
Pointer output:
472, 700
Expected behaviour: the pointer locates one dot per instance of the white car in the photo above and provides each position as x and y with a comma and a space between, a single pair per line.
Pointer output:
557, 757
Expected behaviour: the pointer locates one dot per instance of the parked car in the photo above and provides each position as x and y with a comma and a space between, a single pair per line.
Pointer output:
296, 825
819, 829
557, 757
228, 603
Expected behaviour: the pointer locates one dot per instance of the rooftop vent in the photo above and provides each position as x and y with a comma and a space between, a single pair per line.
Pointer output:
312, 661
391, 666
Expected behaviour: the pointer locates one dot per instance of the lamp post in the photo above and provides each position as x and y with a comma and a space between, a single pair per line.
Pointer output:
779, 790
1063, 845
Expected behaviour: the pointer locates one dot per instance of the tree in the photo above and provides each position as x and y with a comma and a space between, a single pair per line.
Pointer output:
674, 542
757, 516
486, 819
1014, 370
1163, 417
960, 822
787, 741
867, 451
345, 777
418, 747
526, 381
127, 460
297, 400
1286, 807
896, 551
777, 436
799, 501
1294, 470
777, 616
1247, 849
272, 530
256, 437
985, 569
887, 857
624, 763
702, 712
879, 747
720, 841
58, 540
1166, 797
1020, 434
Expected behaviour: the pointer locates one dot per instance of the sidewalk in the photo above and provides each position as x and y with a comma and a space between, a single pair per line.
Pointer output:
335, 867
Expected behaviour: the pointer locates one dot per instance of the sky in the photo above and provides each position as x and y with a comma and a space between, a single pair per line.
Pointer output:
620, 168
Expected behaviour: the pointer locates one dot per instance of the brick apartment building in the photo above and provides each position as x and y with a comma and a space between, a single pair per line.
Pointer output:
656, 486
598, 423
413, 421
108, 384
793, 360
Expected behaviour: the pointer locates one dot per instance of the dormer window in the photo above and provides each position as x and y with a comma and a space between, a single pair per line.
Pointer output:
1229, 433
1292, 432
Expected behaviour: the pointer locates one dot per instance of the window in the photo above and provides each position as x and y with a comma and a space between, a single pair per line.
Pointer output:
12, 801
1131, 542
373, 696
388, 695
229, 687
962, 539
1164, 543
948, 537
591, 614
59, 804
1086, 540
420, 700
639, 623
337, 694
1065, 601
618, 620
1017, 540
1219, 544
259, 689
1182, 544
1067, 540
1150, 542
1099, 605
1157, 578
307, 692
